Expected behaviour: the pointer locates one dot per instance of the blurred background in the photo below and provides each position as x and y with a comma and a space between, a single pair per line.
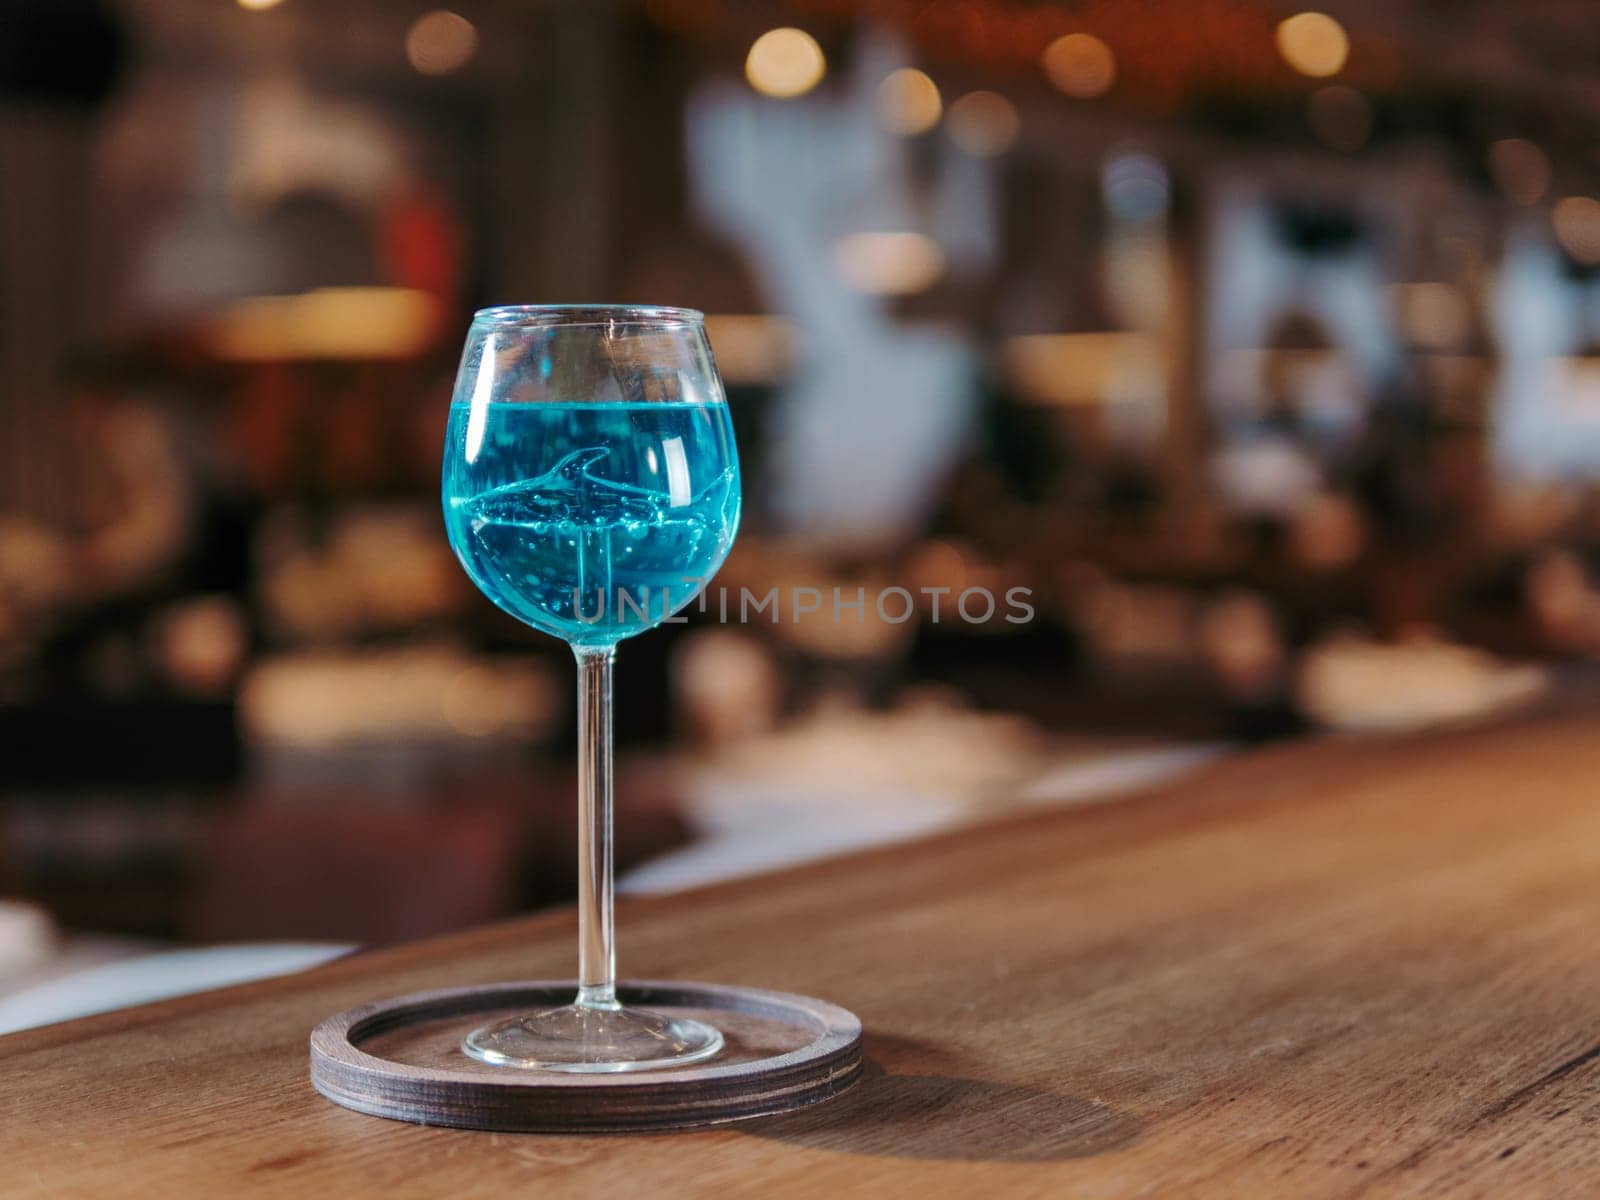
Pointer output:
1261, 345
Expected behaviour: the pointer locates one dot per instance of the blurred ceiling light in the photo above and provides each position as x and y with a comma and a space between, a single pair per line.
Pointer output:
1577, 224
785, 63
1340, 117
259, 5
1520, 170
1313, 43
1135, 187
1433, 315
440, 42
888, 264
984, 124
1080, 65
908, 102
328, 323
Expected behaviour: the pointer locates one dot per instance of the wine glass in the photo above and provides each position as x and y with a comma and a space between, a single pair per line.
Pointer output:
591, 488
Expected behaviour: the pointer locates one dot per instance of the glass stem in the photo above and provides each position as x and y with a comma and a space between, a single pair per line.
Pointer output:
597, 960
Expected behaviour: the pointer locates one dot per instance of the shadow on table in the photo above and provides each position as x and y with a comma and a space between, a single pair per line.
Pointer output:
895, 1113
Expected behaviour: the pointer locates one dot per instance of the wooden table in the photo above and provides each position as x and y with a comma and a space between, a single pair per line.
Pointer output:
1334, 969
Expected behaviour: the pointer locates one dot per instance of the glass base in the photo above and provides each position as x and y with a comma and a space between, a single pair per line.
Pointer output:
593, 1038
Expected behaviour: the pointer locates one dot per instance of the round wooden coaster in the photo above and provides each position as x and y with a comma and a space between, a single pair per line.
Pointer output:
401, 1059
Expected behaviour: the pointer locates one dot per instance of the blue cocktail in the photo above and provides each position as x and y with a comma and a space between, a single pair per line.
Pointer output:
591, 489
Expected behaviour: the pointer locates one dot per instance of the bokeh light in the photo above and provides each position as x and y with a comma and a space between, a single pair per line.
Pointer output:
984, 124
1081, 65
1313, 43
440, 42
908, 102
1340, 117
1433, 315
1520, 170
1135, 187
888, 263
1576, 220
327, 323
259, 5
785, 63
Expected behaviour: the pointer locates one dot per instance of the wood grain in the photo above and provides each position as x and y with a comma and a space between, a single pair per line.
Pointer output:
1333, 970
401, 1058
